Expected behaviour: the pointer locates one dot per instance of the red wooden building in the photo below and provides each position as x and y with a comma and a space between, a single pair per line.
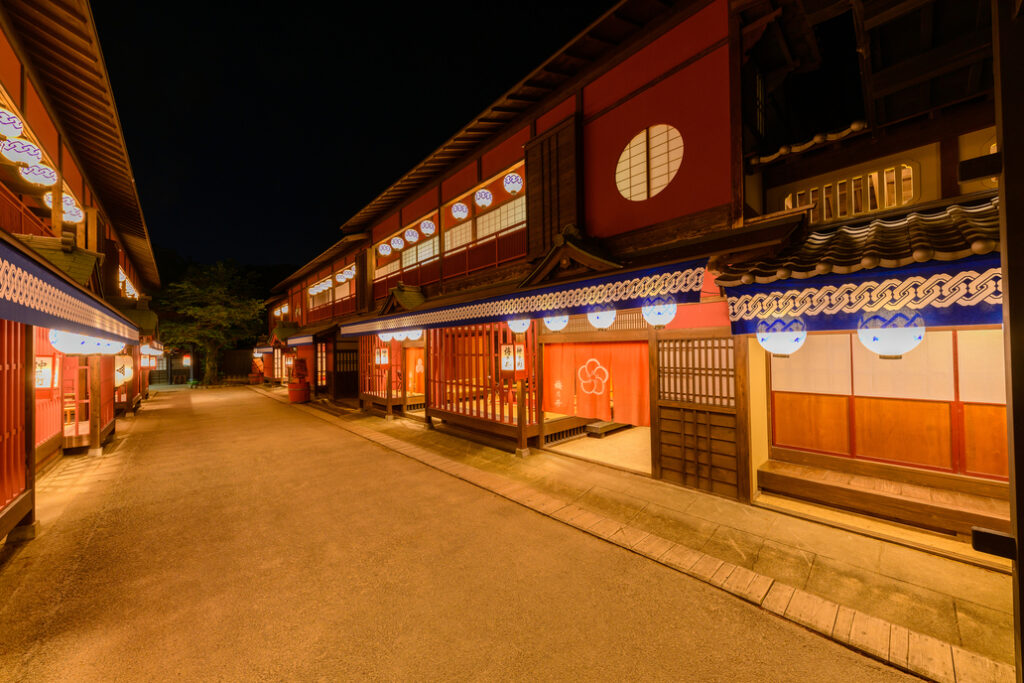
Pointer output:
73, 270
551, 276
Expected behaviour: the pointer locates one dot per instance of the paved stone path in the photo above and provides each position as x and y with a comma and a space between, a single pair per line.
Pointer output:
225, 536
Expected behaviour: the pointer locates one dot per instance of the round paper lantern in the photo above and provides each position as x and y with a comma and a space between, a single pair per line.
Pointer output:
73, 215
891, 335
519, 325
483, 198
782, 337
16, 149
428, 228
10, 124
122, 370
349, 272
397, 243
459, 211
71, 343
384, 249
38, 174
602, 320
556, 323
414, 335
385, 336
513, 183
659, 312
411, 236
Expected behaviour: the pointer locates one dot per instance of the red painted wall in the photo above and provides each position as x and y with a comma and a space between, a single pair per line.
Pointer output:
73, 177
385, 227
308, 353
420, 206
39, 121
507, 153
10, 69
459, 182
679, 44
556, 115
48, 411
696, 101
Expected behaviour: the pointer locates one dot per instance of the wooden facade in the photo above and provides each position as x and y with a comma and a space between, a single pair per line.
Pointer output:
675, 142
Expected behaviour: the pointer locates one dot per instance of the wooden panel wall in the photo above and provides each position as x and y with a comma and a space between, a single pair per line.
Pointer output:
985, 440
817, 422
12, 411
552, 185
698, 438
897, 430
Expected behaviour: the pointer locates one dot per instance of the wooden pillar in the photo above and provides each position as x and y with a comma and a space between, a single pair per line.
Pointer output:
522, 450
426, 379
654, 371
388, 381
95, 404
742, 395
1008, 54
26, 528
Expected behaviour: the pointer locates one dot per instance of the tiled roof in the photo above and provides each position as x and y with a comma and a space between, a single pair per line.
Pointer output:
954, 232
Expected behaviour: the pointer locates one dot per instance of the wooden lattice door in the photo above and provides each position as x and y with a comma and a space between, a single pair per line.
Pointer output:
699, 435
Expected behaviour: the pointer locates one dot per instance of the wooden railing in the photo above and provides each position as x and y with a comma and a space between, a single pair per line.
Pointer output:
16, 218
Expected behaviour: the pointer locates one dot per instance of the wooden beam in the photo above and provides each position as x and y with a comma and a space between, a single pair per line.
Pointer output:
883, 11
942, 59
864, 57
830, 12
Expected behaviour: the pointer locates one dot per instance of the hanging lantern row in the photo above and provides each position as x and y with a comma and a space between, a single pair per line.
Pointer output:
346, 274
411, 335
280, 310
17, 150
321, 286
513, 184
657, 313
887, 336
70, 210
71, 343
411, 236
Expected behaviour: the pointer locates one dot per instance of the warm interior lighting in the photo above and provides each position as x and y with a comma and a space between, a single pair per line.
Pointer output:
122, 370
556, 323
891, 336
71, 343
782, 337
38, 174
519, 325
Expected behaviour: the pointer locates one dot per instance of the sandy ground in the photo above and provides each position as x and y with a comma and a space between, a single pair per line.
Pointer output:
225, 536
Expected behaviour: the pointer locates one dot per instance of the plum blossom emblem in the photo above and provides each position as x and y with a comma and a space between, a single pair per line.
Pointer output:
593, 377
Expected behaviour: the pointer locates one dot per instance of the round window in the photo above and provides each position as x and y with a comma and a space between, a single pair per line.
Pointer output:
649, 162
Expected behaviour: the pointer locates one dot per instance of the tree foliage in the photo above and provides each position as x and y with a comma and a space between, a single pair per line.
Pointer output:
210, 308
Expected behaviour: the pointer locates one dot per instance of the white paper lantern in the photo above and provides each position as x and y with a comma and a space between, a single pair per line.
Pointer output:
519, 325
513, 183
414, 335
428, 228
556, 323
397, 243
38, 174
16, 149
385, 336
891, 335
411, 236
483, 198
659, 312
123, 370
399, 336
602, 320
71, 343
10, 124
384, 249
459, 211
782, 337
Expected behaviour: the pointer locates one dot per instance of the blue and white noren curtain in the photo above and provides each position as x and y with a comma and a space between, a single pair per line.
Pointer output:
32, 295
963, 292
680, 282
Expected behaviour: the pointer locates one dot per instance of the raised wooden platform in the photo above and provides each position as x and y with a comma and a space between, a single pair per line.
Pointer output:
929, 507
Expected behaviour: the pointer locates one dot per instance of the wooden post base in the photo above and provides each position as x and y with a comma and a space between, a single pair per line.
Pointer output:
23, 532
522, 452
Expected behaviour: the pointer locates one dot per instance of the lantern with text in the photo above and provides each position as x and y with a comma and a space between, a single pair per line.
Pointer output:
782, 337
892, 335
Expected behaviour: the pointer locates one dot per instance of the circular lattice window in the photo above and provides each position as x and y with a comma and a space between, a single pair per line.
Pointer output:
649, 162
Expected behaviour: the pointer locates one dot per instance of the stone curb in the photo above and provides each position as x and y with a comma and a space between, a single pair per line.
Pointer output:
890, 643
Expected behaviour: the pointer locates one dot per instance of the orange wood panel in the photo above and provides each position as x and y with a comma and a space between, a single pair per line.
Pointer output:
985, 440
904, 431
814, 421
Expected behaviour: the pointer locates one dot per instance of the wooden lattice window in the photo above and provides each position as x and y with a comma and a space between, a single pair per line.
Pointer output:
699, 371
649, 162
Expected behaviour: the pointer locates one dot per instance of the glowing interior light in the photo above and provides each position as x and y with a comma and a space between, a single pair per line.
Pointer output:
428, 228
66, 200
38, 174
519, 325
148, 350
782, 337
659, 312
122, 370
10, 124
71, 343
602, 320
483, 198
384, 249
556, 323
399, 336
513, 183
459, 211
385, 336
16, 149
411, 236
340, 277
397, 243
414, 334
891, 336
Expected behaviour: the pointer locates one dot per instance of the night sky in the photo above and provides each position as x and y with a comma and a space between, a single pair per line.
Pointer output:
256, 129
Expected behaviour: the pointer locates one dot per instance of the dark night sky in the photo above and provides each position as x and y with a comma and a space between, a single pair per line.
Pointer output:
256, 129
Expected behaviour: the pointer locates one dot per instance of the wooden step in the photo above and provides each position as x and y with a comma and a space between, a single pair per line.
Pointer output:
922, 506
599, 430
